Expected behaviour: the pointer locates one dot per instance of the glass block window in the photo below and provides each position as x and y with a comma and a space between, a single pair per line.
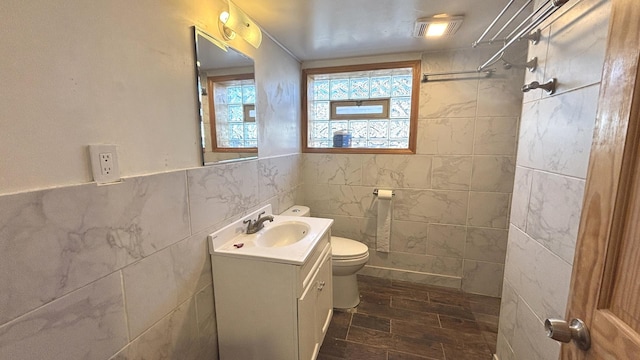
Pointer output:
232, 110
363, 108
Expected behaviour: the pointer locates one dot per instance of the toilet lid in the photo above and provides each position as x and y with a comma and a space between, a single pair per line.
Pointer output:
343, 248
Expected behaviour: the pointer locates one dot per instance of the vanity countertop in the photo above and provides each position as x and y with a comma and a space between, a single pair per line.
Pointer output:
234, 242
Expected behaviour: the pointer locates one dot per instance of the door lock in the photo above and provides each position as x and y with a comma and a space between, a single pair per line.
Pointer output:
562, 331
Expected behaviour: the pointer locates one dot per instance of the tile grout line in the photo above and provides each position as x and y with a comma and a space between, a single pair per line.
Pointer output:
124, 303
349, 326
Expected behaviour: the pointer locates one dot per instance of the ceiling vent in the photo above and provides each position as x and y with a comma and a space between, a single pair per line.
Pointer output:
437, 26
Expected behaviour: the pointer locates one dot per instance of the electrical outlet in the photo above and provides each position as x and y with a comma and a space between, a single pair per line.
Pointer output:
104, 163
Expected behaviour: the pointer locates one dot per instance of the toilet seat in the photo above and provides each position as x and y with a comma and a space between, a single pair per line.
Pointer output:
347, 249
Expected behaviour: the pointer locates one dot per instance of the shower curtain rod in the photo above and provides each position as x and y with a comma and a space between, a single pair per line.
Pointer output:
487, 72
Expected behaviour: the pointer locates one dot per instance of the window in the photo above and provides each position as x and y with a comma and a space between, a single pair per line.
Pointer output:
369, 108
232, 113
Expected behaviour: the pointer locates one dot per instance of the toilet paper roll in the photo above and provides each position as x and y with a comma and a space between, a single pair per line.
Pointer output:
385, 194
383, 231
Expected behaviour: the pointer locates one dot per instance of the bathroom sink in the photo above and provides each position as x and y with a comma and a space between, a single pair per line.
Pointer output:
282, 234
287, 239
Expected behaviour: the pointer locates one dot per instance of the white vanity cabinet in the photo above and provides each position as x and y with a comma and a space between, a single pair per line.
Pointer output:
273, 310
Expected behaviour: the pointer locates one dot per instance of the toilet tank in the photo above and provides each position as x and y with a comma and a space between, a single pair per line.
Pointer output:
297, 210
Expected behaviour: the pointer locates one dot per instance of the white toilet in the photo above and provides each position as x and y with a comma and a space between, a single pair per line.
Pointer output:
347, 256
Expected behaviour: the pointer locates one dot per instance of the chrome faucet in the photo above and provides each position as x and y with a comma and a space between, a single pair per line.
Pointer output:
257, 225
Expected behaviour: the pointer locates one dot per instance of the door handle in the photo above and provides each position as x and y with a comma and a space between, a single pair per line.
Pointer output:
575, 330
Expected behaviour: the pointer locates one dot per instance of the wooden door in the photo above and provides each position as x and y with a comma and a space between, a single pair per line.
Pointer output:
605, 285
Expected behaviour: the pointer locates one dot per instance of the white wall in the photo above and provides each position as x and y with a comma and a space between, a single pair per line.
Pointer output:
75, 73
121, 271
551, 167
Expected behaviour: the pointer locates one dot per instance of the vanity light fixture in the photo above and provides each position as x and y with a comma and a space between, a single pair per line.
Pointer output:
235, 21
437, 26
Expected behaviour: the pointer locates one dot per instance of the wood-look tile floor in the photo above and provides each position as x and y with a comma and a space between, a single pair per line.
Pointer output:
398, 320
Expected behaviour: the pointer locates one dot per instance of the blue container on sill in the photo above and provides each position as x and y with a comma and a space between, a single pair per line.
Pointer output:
342, 138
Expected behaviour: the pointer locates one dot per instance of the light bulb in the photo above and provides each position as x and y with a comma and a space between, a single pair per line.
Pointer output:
436, 29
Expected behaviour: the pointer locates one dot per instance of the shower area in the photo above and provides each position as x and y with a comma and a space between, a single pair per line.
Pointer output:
451, 205
451, 211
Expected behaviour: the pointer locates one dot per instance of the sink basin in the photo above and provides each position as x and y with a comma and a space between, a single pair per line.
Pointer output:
282, 234
287, 239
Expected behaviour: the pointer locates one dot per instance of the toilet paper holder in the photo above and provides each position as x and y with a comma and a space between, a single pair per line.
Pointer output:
375, 192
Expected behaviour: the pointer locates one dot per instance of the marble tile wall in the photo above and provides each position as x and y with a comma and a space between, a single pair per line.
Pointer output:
123, 271
451, 209
553, 153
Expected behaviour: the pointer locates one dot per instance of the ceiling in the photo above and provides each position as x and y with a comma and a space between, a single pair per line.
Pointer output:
329, 29
212, 57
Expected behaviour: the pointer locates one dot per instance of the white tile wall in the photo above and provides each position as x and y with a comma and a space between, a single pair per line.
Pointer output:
151, 291
530, 341
452, 198
488, 209
335, 169
482, 277
407, 237
552, 159
342, 200
520, 199
426, 264
556, 137
495, 136
391, 171
500, 96
123, 270
431, 206
486, 244
174, 336
493, 173
450, 99
576, 56
218, 192
276, 175
554, 211
451, 172
446, 240
56, 241
537, 275
445, 136
88, 323
508, 306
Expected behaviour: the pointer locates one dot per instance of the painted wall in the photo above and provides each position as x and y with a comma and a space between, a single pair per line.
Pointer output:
553, 154
450, 212
121, 271
79, 73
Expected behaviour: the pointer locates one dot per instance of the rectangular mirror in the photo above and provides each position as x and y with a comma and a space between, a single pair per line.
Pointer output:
227, 96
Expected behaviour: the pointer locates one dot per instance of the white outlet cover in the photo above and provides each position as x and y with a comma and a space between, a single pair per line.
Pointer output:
94, 155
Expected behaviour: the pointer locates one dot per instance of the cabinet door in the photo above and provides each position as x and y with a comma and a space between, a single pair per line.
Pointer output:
324, 306
307, 333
